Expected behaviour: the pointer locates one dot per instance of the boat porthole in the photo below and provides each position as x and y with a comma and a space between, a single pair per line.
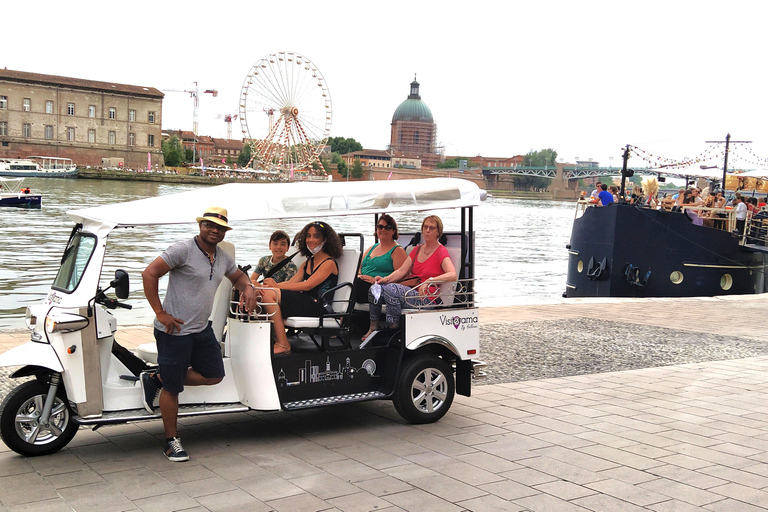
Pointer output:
726, 282
580, 266
676, 277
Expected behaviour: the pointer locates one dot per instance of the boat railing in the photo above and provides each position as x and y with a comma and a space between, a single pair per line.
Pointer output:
755, 230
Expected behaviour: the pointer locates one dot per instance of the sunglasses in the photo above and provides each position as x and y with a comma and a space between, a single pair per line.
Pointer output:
385, 227
212, 225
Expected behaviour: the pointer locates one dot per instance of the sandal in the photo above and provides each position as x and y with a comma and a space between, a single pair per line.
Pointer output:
281, 351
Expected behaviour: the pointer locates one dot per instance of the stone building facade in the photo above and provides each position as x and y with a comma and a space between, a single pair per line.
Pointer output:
83, 120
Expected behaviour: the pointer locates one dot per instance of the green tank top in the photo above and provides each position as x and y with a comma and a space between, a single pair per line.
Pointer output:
378, 266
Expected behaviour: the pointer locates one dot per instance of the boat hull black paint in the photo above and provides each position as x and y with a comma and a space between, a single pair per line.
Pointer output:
705, 261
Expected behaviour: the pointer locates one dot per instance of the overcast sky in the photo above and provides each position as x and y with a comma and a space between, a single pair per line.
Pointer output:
501, 78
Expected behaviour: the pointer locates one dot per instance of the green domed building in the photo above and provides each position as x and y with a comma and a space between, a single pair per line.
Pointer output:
413, 129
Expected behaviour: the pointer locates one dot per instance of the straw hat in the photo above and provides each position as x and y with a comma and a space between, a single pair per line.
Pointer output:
217, 215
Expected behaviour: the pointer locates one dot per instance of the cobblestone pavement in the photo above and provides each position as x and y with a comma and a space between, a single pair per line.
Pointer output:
614, 406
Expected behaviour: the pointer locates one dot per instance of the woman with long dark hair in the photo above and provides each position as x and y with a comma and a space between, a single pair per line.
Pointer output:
301, 295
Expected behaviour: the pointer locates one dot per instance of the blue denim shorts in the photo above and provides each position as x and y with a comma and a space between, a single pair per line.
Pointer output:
175, 354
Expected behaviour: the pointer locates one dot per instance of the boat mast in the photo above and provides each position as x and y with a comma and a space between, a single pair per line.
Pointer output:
624, 173
725, 162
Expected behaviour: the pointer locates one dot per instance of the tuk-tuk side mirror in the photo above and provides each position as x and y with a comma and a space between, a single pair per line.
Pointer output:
121, 284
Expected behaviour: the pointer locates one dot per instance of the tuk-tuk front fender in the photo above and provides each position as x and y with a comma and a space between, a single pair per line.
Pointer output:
32, 354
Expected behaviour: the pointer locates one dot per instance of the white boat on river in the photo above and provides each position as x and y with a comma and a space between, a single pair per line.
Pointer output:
11, 194
38, 167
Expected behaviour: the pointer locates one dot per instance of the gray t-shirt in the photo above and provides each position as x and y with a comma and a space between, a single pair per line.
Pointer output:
192, 284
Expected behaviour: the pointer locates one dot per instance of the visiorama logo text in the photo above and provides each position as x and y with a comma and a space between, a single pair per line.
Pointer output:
467, 322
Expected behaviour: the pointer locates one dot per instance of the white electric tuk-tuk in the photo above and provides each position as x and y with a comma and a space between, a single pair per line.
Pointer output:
83, 376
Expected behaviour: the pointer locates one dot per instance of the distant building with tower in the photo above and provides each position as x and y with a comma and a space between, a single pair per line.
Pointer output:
414, 132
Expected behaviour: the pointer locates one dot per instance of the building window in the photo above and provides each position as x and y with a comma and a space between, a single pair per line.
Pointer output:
92, 136
151, 117
112, 137
26, 130
26, 105
132, 115
49, 132
3, 128
151, 141
70, 109
91, 110
3, 102
71, 134
112, 113
49, 106
131, 139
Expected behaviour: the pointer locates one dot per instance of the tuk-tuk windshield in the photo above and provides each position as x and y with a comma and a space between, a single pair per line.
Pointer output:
74, 261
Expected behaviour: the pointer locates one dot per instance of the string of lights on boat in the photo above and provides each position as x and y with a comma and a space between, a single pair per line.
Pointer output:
740, 153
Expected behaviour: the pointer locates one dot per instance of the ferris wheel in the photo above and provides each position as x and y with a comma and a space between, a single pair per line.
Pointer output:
285, 113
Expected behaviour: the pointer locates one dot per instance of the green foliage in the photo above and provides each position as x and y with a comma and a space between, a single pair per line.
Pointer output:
189, 155
341, 166
172, 152
244, 156
357, 169
541, 158
343, 146
453, 163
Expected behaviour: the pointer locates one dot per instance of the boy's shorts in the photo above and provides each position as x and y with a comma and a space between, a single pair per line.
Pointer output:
175, 354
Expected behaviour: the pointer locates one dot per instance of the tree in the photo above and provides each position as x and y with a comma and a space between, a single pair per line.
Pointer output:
189, 155
341, 166
453, 163
343, 146
172, 152
541, 158
357, 169
244, 156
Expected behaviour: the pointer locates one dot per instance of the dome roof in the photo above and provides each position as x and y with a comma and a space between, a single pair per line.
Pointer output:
413, 109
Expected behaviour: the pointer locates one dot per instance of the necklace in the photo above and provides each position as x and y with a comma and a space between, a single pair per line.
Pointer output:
428, 253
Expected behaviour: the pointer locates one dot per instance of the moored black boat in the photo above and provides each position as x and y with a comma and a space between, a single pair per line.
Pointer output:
623, 250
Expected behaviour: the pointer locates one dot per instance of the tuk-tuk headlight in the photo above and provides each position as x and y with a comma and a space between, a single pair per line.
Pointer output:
30, 319
65, 322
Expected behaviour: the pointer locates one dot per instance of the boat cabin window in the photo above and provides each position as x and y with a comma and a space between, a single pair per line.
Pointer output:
73, 263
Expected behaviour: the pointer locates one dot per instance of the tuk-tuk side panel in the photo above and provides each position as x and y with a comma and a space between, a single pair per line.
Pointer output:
317, 375
249, 346
457, 328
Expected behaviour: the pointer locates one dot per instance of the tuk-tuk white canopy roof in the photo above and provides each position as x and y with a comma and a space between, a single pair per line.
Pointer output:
254, 201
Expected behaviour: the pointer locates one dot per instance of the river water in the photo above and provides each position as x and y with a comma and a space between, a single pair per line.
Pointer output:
520, 244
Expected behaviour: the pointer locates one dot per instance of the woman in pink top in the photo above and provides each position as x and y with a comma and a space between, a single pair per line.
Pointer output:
429, 262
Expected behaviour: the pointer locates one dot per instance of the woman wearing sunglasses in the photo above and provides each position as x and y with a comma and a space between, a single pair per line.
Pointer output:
429, 262
380, 259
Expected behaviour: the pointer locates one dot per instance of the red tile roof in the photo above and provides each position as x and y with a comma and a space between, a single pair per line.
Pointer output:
78, 83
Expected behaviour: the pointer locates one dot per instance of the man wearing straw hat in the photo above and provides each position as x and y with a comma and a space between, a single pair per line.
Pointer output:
187, 350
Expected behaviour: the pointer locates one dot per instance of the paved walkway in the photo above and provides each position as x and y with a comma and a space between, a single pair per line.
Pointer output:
678, 438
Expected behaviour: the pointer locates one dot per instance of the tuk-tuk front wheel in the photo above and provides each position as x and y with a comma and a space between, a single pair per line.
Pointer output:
20, 427
426, 388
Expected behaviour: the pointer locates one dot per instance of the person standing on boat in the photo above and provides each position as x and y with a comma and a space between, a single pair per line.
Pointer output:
187, 350
604, 196
741, 214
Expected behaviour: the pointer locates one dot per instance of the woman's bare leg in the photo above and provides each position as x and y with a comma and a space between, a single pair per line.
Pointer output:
272, 299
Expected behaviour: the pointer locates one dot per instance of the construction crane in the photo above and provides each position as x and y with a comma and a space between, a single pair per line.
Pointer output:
228, 118
195, 95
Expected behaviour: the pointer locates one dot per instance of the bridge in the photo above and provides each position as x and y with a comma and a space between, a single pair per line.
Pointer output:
574, 172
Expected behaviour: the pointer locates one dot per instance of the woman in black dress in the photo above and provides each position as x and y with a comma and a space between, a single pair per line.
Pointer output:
301, 295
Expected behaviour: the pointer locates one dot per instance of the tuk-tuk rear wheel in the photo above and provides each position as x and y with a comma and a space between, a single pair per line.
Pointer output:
426, 389
20, 429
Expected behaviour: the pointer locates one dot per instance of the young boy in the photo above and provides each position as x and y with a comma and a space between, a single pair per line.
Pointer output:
279, 243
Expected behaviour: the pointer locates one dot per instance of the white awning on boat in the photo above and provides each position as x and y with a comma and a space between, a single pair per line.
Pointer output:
254, 201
